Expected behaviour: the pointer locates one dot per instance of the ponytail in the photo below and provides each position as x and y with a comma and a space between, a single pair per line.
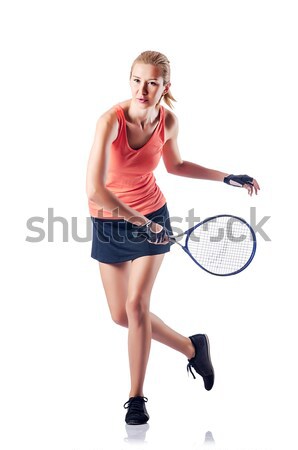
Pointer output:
168, 99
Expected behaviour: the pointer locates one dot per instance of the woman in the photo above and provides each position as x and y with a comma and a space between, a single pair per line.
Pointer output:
123, 197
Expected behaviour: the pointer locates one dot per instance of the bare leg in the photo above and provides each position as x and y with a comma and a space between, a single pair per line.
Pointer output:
142, 276
167, 336
115, 279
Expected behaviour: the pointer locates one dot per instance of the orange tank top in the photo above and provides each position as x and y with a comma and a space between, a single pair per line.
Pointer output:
130, 172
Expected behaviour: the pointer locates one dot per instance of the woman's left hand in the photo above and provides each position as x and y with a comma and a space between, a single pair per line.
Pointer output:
245, 181
252, 187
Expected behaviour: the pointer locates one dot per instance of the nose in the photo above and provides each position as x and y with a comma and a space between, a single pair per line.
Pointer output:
143, 89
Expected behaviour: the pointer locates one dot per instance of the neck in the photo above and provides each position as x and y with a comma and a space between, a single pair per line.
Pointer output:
142, 117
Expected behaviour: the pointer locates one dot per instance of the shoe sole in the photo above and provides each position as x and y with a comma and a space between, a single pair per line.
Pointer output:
209, 356
135, 422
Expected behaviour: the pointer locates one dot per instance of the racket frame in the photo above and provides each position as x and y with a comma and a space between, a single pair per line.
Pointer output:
173, 239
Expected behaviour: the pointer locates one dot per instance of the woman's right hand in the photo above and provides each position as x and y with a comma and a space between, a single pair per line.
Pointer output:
157, 234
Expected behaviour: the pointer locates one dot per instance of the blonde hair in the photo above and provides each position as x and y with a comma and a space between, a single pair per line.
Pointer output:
162, 62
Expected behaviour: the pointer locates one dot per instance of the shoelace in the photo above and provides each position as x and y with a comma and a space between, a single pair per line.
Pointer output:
188, 368
134, 403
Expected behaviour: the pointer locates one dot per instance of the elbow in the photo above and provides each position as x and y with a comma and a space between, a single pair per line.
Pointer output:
90, 195
95, 193
171, 170
90, 191
175, 169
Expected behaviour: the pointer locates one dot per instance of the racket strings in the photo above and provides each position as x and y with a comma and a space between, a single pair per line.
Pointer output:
222, 246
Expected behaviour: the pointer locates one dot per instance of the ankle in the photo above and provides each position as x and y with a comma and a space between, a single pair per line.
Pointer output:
190, 351
135, 394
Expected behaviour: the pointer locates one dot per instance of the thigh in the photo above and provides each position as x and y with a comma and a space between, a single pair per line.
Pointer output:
115, 279
143, 273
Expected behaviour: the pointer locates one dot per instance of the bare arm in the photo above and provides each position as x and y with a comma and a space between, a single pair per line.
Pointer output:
106, 132
177, 166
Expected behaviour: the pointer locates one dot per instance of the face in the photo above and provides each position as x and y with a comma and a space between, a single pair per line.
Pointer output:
147, 85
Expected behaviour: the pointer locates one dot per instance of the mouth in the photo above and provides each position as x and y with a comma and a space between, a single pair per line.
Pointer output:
142, 100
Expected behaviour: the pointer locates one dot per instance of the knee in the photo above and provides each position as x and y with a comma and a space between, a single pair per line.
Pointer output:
137, 307
120, 318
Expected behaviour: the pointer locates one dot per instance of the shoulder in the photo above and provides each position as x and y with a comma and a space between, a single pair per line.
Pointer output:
171, 124
107, 123
124, 105
108, 118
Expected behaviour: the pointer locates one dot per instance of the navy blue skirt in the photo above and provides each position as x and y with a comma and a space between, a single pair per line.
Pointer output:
114, 241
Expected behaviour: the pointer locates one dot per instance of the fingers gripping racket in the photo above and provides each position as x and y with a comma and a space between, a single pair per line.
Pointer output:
221, 245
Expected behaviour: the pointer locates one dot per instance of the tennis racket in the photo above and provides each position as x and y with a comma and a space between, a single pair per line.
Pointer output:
222, 245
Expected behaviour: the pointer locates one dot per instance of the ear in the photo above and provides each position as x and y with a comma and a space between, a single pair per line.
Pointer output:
166, 88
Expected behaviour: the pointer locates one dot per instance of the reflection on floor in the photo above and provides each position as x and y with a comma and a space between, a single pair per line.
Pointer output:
136, 434
209, 438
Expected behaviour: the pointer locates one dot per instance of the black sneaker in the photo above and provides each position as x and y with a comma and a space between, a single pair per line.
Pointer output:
201, 362
137, 413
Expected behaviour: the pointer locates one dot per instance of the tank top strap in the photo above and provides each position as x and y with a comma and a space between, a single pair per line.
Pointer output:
121, 119
161, 125
119, 111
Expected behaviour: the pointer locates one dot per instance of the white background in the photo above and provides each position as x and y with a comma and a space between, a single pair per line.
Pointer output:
64, 371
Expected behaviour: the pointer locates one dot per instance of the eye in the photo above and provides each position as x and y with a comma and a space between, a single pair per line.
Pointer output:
136, 80
153, 83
